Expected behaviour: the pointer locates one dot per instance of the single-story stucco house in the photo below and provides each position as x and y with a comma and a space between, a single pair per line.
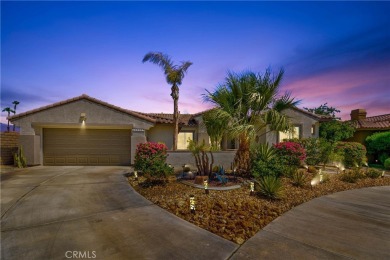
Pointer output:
87, 131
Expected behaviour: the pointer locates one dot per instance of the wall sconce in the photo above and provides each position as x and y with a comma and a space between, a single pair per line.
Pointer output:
252, 188
192, 204
83, 117
206, 186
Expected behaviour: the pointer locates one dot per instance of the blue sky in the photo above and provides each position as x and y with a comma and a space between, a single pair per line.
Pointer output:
335, 52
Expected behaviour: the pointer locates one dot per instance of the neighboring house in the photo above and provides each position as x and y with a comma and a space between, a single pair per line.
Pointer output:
366, 126
87, 131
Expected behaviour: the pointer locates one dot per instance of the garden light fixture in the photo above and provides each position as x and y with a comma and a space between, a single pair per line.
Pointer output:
252, 188
136, 175
383, 174
206, 186
192, 204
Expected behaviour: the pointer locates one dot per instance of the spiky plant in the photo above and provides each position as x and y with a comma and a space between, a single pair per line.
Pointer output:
174, 75
270, 187
9, 111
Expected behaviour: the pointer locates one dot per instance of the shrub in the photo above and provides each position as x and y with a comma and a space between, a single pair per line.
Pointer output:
150, 158
291, 152
354, 153
270, 187
383, 157
379, 144
216, 168
265, 162
299, 178
387, 164
353, 175
373, 173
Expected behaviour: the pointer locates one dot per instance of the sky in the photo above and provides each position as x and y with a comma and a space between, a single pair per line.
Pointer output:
332, 52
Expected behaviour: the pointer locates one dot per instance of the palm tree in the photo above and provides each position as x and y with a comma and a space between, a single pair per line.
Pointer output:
15, 104
9, 111
174, 75
215, 129
249, 102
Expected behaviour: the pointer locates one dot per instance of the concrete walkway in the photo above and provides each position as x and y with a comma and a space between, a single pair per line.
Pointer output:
353, 224
53, 212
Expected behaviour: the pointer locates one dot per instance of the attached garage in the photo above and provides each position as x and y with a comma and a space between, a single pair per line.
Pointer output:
69, 146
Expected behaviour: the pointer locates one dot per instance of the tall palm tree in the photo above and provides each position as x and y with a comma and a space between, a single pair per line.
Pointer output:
250, 102
9, 111
174, 75
15, 104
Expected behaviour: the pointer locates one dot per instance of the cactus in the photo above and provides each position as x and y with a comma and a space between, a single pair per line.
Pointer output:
19, 158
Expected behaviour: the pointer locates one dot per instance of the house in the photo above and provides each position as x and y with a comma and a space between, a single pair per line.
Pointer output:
366, 126
87, 131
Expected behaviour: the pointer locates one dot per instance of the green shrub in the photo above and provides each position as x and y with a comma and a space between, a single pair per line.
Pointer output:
354, 153
373, 173
265, 162
383, 157
150, 159
379, 144
216, 168
270, 187
291, 152
353, 175
299, 178
20, 160
289, 171
387, 164
312, 169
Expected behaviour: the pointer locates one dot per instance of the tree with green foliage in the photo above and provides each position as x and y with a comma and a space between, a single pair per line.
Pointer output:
249, 102
334, 131
324, 110
9, 111
215, 129
174, 75
378, 144
14, 111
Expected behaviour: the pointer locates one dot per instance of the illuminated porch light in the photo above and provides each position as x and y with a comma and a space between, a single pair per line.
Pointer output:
192, 204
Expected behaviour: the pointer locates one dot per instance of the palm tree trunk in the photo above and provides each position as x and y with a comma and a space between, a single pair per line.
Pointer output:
242, 158
175, 96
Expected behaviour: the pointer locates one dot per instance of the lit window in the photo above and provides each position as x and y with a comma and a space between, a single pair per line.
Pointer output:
295, 133
182, 140
313, 129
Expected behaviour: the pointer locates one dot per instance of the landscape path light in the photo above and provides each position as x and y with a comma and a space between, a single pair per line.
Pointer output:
192, 204
206, 186
252, 188
136, 175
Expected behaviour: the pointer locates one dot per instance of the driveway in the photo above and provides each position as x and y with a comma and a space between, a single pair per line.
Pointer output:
92, 212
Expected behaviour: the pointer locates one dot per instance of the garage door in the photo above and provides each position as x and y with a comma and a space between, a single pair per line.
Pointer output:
86, 146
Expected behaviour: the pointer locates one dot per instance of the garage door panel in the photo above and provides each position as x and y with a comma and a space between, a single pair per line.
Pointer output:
86, 147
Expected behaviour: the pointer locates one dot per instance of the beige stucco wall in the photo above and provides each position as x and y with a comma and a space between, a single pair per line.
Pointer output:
178, 158
298, 119
163, 133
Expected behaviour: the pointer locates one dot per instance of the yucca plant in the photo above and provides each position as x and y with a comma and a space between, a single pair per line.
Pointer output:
298, 178
270, 187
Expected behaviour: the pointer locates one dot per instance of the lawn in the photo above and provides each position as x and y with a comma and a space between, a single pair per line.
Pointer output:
235, 214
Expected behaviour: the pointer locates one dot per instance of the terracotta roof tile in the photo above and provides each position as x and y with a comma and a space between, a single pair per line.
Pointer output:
373, 122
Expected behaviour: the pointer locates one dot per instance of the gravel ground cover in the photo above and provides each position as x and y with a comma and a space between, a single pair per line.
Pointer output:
235, 214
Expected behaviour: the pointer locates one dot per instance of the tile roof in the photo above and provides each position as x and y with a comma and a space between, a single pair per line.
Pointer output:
373, 122
86, 97
163, 118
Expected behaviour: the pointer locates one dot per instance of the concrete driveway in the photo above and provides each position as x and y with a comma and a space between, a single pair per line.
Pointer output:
92, 212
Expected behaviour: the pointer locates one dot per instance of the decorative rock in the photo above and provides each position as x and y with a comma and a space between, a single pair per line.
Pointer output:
200, 179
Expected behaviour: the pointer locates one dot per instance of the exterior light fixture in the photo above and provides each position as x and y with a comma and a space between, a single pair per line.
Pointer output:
383, 174
192, 204
316, 180
206, 186
252, 188
83, 117
136, 175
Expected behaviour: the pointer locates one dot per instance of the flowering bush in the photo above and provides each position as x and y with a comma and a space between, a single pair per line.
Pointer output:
291, 152
150, 159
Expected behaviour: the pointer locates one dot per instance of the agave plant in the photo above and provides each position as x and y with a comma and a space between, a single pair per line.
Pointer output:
270, 187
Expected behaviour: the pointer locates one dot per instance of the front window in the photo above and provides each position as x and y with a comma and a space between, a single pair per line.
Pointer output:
182, 140
295, 133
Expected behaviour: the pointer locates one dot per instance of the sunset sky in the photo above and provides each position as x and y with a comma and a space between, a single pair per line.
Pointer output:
335, 52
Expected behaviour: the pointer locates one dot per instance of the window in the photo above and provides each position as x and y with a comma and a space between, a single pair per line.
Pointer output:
295, 133
182, 140
313, 129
